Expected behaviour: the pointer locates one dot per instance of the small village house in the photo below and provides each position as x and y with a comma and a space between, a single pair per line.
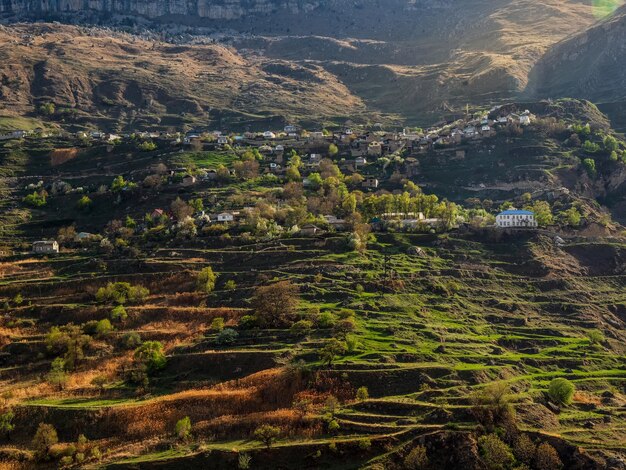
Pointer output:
225, 217
370, 183
189, 180
310, 230
45, 247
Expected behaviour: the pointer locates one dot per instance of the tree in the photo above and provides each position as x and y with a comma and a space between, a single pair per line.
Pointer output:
57, 375
6, 423
205, 280
417, 459
100, 381
267, 434
331, 350
362, 393
333, 150
84, 203
524, 449
183, 428
595, 337
104, 327
571, 217
119, 313
47, 109
561, 391
147, 146
243, 462
151, 355
121, 293
543, 213
180, 209
590, 147
589, 164
611, 144
547, 458
492, 404
275, 304
226, 336
495, 453
45, 437
36, 199
217, 324
70, 341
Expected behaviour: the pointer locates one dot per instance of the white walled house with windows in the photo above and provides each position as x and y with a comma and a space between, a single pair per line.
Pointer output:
516, 218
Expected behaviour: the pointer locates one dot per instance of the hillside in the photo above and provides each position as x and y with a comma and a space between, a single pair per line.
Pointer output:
115, 81
409, 60
243, 304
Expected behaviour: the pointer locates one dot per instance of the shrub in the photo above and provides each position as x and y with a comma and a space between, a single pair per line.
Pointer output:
595, 337
121, 293
217, 324
151, 355
183, 428
524, 449
131, 340
57, 375
365, 444
302, 327
147, 146
119, 313
333, 426
561, 391
104, 327
495, 453
547, 458
243, 462
84, 203
492, 405
417, 458
589, 165
326, 320
6, 423
267, 434
362, 393
226, 336
331, 350
230, 285
36, 199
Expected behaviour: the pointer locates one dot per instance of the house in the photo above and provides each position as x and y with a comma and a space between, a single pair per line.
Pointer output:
269, 135
359, 162
291, 129
82, 236
524, 119
46, 246
310, 230
316, 135
370, 183
225, 217
516, 218
375, 149
189, 180
222, 140
157, 213
337, 224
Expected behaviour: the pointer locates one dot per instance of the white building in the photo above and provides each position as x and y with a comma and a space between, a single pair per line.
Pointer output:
269, 135
516, 218
46, 246
225, 217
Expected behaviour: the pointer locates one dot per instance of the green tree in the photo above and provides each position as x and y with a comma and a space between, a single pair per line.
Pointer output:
362, 393
205, 280
543, 213
152, 355
104, 327
84, 203
595, 337
590, 147
267, 434
561, 391
611, 144
417, 459
495, 453
45, 437
333, 150
57, 375
47, 109
118, 313
36, 199
121, 293
589, 164
183, 428
331, 350
6, 423
571, 217
217, 324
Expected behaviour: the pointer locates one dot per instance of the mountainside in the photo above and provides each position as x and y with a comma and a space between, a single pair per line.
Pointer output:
588, 65
412, 58
116, 80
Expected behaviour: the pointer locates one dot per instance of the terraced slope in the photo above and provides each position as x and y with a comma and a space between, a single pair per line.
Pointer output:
429, 333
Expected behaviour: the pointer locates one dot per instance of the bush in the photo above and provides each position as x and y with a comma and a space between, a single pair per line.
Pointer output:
131, 340
547, 458
417, 458
119, 313
36, 199
495, 453
561, 391
104, 327
217, 324
84, 203
226, 336
302, 327
151, 355
333, 426
121, 293
365, 444
183, 428
362, 393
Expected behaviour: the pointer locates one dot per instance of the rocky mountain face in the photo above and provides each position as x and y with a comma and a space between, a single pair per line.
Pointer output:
588, 65
411, 59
